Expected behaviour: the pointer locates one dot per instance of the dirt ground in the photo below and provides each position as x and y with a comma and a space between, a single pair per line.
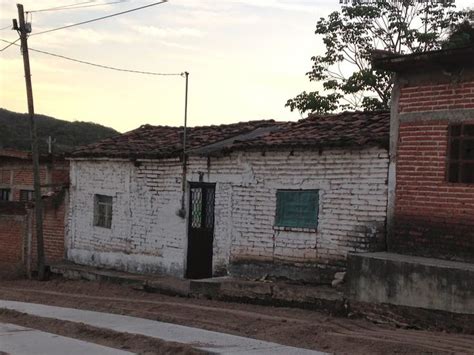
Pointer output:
289, 326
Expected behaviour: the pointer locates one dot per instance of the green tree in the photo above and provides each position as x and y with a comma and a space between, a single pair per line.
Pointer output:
461, 35
352, 34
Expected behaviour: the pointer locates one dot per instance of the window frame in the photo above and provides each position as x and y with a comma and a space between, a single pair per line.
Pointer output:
459, 162
7, 191
280, 222
30, 194
104, 202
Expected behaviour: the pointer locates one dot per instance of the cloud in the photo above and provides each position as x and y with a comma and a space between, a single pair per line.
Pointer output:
82, 36
293, 5
178, 45
281, 5
167, 32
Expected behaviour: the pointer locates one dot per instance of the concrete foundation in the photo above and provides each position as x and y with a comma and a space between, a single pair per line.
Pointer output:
307, 273
411, 281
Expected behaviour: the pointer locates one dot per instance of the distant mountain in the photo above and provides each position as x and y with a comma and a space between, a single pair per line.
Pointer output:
15, 132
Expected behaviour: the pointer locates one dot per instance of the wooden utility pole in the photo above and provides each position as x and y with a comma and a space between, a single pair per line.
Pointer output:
24, 29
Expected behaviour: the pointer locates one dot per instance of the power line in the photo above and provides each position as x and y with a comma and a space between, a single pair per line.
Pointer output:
4, 28
10, 44
101, 18
96, 65
71, 7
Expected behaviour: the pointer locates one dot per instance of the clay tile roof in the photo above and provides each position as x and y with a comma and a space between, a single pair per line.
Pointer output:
16, 154
164, 141
25, 155
347, 129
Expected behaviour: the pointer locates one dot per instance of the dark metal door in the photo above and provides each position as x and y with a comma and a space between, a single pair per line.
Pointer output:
200, 230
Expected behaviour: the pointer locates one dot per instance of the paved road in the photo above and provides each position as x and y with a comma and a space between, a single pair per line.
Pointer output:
18, 340
214, 342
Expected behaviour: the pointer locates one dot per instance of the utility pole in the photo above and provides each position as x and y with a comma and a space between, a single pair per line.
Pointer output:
24, 29
182, 212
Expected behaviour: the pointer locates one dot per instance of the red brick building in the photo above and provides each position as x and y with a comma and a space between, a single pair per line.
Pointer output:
16, 175
17, 240
431, 183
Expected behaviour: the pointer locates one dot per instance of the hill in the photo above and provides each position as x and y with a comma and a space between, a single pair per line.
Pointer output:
15, 132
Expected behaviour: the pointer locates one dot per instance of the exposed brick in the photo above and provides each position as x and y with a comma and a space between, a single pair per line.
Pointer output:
433, 217
436, 97
16, 174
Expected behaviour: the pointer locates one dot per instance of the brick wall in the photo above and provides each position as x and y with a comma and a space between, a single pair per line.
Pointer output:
53, 231
11, 239
17, 174
421, 98
147, 234
432, 216
16, 248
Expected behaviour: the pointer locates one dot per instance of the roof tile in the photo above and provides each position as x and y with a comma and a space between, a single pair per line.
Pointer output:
336, 130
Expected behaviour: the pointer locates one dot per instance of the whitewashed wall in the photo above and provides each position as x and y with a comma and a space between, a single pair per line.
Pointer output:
147, 235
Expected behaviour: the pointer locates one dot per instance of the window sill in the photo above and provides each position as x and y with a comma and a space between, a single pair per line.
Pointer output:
295, 229
102, 227
460, 184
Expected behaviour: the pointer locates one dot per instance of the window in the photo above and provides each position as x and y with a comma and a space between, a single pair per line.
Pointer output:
461, 153
103, 211
26, 195
4, 194
297, 208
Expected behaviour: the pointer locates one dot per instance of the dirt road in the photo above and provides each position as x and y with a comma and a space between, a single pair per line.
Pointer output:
294, 327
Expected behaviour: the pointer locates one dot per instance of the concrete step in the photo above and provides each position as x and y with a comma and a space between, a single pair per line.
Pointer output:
227, 288
158, 283
271, 293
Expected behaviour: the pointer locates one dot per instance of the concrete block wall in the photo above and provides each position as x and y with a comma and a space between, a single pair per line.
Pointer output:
411, 281
147, 235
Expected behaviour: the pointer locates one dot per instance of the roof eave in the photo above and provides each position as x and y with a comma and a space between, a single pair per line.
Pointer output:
444, 57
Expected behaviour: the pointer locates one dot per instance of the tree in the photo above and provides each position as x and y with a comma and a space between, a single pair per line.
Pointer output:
461, 35
352, 34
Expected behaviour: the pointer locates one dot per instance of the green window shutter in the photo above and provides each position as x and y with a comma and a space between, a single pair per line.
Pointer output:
297, 208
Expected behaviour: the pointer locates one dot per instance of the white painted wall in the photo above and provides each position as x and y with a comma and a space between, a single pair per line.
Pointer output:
148, 236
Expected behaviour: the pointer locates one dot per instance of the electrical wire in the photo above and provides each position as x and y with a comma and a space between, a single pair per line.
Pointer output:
79, 7
4, 28
100, 18
10, 44
96, 65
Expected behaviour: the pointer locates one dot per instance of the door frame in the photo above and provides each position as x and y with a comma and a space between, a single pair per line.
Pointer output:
192, 185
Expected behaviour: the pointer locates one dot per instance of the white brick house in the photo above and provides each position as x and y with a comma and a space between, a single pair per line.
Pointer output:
283, 199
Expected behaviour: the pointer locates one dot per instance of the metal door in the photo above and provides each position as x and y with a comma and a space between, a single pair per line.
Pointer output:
200, 230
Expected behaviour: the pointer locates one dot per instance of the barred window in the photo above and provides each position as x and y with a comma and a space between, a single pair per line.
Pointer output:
460, 158
26, 195
103, 211
297, 208
4, 194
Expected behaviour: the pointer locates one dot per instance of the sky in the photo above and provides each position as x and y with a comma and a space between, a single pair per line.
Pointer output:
246, 58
